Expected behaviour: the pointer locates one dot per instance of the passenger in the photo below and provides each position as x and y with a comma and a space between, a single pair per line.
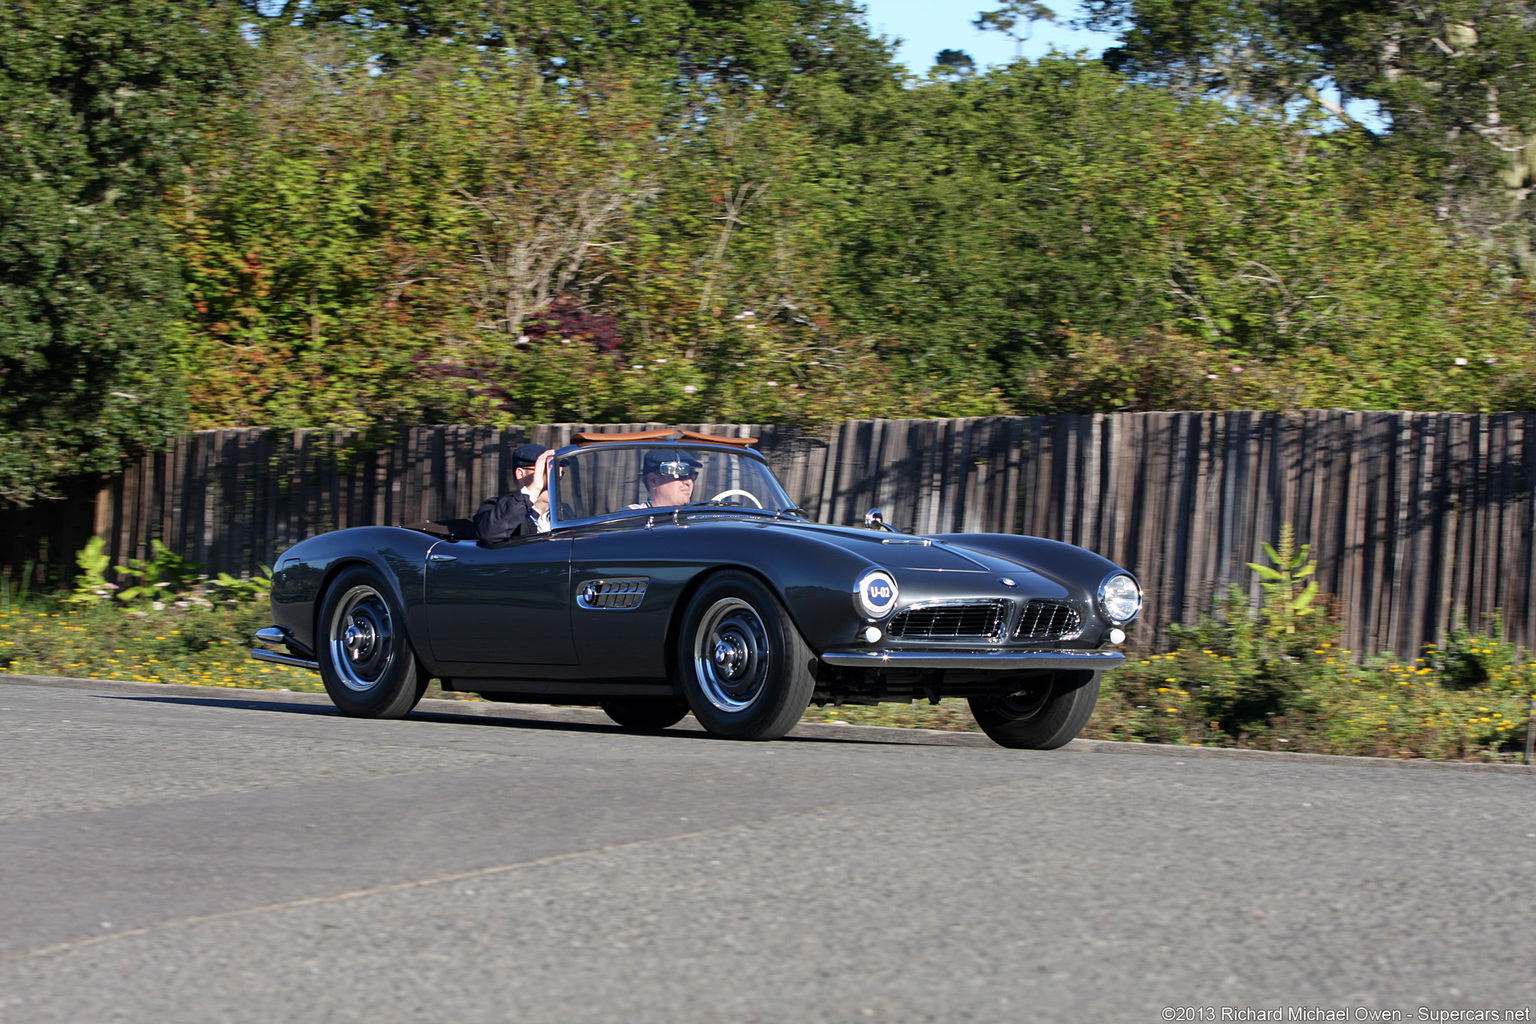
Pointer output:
668, 475
526, 510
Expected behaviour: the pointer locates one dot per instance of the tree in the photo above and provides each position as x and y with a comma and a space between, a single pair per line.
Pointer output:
1076, 242
471, 236
98, 106
1454, 79
793, 48
1015, 19
955, 62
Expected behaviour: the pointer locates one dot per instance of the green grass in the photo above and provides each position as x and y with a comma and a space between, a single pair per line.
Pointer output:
195, 645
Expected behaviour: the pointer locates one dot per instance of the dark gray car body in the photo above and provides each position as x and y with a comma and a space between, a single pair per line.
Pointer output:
555, 617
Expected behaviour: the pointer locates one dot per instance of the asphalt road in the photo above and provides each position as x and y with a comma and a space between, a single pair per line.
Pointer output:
176, 854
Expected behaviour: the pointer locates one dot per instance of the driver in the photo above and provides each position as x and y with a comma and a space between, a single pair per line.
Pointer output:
668, 474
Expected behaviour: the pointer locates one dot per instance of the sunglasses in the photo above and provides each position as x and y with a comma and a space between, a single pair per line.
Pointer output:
677, 470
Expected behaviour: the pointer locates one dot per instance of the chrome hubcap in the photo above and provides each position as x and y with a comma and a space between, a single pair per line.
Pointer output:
361, 639
731, 655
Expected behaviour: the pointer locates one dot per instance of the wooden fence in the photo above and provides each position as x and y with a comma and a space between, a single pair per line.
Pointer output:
1417, 520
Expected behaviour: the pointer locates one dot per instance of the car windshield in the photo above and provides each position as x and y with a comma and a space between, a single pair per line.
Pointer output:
603, 479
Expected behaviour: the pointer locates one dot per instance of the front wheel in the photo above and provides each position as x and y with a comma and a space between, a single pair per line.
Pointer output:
1043, 717
746, 671
366, 660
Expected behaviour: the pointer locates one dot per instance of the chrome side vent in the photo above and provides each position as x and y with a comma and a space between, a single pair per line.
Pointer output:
1048, 620
612, 595
979, 620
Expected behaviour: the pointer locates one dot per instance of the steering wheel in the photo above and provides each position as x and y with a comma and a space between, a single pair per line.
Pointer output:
736, 491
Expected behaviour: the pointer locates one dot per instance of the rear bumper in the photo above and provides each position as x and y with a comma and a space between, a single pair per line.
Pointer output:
984, 661
276, 635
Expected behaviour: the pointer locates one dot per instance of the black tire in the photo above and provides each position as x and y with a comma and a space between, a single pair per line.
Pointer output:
366, 660
1043, 717
745, 670
645, 715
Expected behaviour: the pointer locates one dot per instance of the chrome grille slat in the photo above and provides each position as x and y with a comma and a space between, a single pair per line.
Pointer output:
979, 620
612, 595
1048, 620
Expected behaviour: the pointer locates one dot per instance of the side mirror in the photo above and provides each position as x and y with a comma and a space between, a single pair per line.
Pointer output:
875, 521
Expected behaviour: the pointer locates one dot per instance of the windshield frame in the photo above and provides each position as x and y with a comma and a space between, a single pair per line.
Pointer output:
670, 512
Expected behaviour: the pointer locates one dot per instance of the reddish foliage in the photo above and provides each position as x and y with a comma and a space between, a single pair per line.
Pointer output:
569, 320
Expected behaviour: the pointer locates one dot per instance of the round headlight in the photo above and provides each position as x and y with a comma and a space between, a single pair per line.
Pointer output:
1120, 598
876, 593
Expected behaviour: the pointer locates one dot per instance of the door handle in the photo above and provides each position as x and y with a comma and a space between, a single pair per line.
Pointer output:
442, 558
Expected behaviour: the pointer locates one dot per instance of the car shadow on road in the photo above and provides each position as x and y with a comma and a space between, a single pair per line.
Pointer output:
578, 720
329, 711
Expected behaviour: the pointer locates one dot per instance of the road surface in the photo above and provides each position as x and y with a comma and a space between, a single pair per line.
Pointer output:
181, 854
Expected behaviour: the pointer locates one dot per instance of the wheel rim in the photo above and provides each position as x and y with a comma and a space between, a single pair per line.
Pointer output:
731, 656
361, 639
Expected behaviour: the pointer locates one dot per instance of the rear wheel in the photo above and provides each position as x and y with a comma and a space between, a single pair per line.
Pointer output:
1042, 717
366, 660
746, 671
645, 715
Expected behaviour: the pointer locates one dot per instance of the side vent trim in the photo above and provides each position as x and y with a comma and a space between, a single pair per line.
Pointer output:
613, 595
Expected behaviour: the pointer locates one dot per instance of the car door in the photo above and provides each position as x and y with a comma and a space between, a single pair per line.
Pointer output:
505, 605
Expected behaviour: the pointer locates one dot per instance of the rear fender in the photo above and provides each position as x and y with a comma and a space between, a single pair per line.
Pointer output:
306, 572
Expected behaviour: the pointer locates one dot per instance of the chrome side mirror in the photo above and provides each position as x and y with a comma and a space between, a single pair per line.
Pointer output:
875, 521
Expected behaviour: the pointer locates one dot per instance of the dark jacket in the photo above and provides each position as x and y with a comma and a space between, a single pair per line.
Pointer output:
503, 518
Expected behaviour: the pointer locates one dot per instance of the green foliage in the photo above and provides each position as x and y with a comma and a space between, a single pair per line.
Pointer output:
1269, 674
199, 644
92, 584
1470, 660
1082, 244
164, 575
1286, 597
240, 589
675, 210
797, 50
1454, 80
1016, 18
15, 593
1253, 663
98, 106
1332, 704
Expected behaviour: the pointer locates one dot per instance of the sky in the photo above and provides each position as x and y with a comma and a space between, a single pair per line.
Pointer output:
928, 26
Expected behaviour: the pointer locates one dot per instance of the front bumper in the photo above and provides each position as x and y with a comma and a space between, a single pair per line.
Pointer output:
984, 661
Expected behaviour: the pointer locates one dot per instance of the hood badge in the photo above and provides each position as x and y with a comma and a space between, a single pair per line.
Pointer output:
1005, 581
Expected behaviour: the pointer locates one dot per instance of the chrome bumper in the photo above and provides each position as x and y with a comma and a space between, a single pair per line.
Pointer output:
985, 661
274, 635
285, 659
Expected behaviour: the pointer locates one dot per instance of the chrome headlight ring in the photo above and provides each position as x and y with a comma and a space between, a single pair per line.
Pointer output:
1120, 598
874, 596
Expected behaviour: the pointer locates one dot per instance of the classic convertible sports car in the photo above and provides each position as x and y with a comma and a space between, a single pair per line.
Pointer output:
734, 606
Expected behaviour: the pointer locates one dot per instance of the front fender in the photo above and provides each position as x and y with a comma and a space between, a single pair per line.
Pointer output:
814, 575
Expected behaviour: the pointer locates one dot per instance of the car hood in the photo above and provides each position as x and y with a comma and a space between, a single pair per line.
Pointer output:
900, 551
